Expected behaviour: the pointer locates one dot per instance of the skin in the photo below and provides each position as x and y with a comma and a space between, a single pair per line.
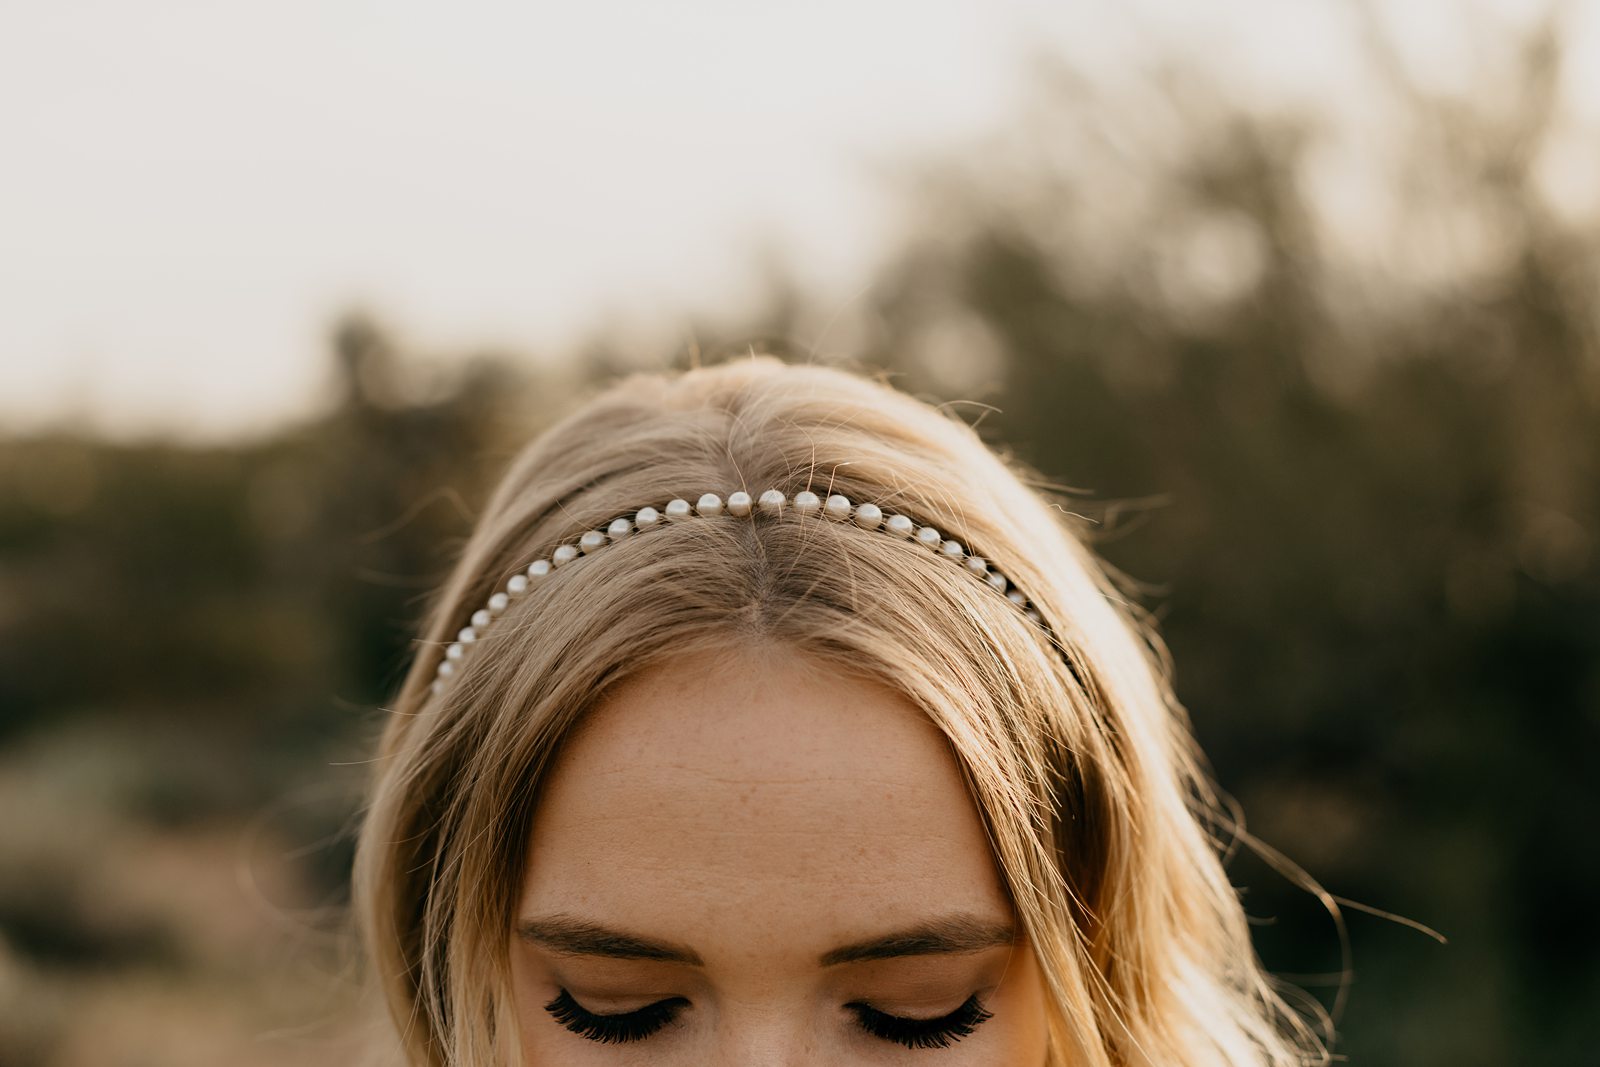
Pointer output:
769, 822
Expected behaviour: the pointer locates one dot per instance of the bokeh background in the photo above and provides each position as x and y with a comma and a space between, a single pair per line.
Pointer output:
1301, 298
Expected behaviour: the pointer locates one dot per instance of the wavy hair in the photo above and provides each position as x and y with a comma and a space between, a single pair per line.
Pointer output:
1080, 760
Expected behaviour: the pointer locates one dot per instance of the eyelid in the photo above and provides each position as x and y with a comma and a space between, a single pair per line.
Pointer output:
598, 1003
916, 1000
615, 1007
920, 1014
658, 1002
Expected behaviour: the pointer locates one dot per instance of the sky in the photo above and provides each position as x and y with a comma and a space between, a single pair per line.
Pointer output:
190, 191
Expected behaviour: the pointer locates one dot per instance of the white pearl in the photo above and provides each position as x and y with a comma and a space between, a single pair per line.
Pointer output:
868, 516
997, 582
538, 568
619, 529
563, 555
807, 503
438, 686
708, 505
446, 668
977, 565
900, 526
646, 518
1016, 597
739, 503
837, 507
467, 635
953, 549
480, 618
772, 501
498, 602
677, 509
592, 541
454, 651
517, 584
929, 537
1034, 615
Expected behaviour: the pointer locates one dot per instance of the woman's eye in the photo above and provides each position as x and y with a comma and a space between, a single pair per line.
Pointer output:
626, 1026
923, 1033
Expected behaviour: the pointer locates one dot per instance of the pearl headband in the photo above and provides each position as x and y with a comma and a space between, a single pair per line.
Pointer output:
771, 502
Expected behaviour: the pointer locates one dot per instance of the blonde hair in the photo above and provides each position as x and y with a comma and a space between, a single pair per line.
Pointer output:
1078, 756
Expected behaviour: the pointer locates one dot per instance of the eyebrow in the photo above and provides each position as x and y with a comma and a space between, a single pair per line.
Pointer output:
952, 934
577, 937
570, 936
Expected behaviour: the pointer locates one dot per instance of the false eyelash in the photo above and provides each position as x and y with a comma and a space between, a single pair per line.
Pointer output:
625, 1026
923, 1033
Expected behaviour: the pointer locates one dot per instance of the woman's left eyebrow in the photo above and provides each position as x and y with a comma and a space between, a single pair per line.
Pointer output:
954, 933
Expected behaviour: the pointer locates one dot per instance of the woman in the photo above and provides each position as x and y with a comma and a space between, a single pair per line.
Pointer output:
769, 717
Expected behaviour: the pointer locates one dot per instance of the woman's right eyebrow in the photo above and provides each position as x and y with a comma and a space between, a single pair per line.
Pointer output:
570, 936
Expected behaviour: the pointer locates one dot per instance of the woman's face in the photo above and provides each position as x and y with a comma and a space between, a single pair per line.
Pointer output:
756, 862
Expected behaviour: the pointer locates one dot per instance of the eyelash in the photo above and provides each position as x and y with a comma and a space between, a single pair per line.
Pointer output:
637, 1025
923, 1033
626, 1026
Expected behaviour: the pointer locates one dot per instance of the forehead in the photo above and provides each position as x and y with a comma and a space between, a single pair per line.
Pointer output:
728, 802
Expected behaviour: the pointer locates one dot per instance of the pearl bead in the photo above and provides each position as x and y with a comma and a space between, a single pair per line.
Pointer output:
480, 618
837, 507
564, 555
868, 516
900, 526
739, 503
952, 549
446, 668
1034, 615
772, 501
454, 651
646, 518
619, 529
677, 509
467, 635
977, 565
928, 536
438, 686
592, 541
997, 582
708, 505
539, 568
1016, 597
517, 584
806, 502
498, 602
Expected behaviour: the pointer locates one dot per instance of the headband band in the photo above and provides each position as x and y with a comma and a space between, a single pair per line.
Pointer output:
772, 502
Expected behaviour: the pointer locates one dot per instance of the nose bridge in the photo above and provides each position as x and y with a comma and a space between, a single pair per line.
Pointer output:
769, 1030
